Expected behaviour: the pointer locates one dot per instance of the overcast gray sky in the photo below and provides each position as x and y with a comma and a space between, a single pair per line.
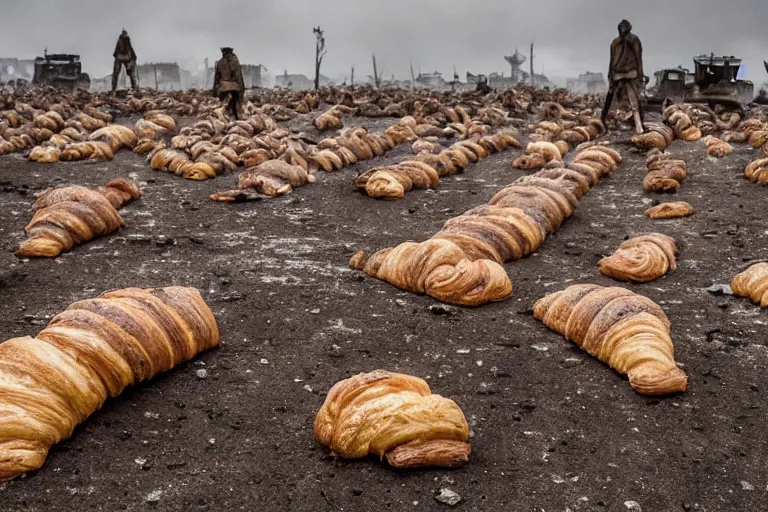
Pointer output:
571, 36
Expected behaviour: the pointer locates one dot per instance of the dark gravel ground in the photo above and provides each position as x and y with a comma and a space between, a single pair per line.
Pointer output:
553, 429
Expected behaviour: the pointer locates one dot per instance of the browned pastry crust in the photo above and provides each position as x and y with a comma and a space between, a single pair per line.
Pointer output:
642, 259
69, 216
395, 416
753, 283
461, 264
625, 330
92, 351
670, 210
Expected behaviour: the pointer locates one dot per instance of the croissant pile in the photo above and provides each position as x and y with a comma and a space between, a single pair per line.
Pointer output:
671, 210
716, 147
627, 331
69, 216
95, 349
395, 416
657, 136
539, 154
753, 284
757, 171
641, 259
461, 264
675, 117
665, 173
394, 181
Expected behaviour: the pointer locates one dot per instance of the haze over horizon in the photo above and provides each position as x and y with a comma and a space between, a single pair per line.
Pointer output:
474, 36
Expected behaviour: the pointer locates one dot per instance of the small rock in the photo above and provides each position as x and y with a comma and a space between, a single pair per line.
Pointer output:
720, 289
633, 506
202, 374
401, 303
412, 210
139, 238
487, 389
154, 496
747, 486
163, 240
196, 240
315, 312
573, 361
232, 298
448, 497
441, 309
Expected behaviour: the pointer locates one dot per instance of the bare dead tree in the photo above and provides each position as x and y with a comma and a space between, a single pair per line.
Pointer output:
353, 75
320, 52
376, 75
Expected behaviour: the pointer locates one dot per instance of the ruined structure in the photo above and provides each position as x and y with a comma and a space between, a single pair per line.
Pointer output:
14, 69
591, 83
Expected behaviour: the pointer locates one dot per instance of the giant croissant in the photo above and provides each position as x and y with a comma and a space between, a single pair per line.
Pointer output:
69, 216
665, 173
757, 171
753, 283
628, 331
394, 416
641, 259
394, 181
92, 351
272, 178
461, 264
670, 210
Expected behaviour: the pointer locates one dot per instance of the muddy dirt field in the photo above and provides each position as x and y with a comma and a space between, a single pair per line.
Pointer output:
552, 428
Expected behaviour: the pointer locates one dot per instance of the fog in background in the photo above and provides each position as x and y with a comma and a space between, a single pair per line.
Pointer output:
571, 36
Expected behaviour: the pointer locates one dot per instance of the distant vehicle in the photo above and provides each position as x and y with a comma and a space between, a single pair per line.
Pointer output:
61, 70
714, 82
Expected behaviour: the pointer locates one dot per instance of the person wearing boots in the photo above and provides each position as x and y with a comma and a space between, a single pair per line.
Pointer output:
626, 73
228, 82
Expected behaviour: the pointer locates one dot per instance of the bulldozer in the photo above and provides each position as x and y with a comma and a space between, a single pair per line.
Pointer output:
60, 70
714, 82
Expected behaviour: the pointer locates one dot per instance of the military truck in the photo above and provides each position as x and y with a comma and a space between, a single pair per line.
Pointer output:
714, 81
61, 70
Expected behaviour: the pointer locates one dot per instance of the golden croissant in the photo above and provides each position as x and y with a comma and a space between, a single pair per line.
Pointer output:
73, 215
670, 210
392, 182
716, 147
395, 416
642, 259
461, 264
627, 331
272, 178
753, 283
438, 268
675, 117
657, 136
53, 382
117, 136
757, 171
45, 154
665, 173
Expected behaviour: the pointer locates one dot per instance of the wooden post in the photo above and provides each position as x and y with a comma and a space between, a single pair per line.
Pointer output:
352, 80
533, 81
155, 77
413, 78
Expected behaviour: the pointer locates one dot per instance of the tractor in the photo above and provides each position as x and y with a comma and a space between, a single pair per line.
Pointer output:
714, 82
63, 71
